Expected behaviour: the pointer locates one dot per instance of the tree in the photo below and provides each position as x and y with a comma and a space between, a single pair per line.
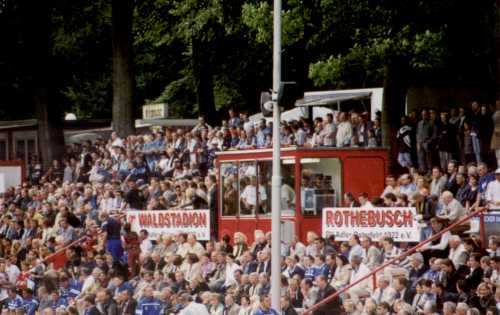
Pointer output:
401, 42
81, 47
220, 65
30, 76
123, 78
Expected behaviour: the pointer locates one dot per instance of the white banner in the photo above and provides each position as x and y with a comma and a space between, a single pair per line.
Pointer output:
399, 223
158, 222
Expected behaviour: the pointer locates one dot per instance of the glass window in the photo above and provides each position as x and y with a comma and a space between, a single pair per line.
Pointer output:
229, 188
20, 149
31, 147
250, 201
320, 184
3, 150
288, 187
265, 174
265, 171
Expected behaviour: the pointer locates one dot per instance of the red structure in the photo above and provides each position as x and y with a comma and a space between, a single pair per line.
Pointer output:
313, 178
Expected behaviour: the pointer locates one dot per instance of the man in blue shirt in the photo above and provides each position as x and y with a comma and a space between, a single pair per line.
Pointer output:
75, 288
484, 177
261, 134
14, 301
265, 306
320, 266
112, 228
148, 305
58, 301
234, 119
30, 304
119, 285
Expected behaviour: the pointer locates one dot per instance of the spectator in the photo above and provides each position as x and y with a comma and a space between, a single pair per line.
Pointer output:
265, 306
493, 192
175, 168
359, 270
453, 210
371, 254
495, 140
344, 131
286, 306
426, 134
405, 143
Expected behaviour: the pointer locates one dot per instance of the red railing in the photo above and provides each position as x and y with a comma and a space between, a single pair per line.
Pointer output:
395, 259
58, 258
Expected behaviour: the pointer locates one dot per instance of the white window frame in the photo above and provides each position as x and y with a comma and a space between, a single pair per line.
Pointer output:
24, 136
4, 136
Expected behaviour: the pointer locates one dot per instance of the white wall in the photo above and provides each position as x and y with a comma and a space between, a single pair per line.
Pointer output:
10, 176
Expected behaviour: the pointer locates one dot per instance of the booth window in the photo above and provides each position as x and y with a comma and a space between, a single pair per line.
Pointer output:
265, 171
251, 195
229, 188
3, 149
288, 187
245, 188
320, 184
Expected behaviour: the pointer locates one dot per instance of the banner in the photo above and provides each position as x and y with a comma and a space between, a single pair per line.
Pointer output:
491, 222
399, 223
158, 222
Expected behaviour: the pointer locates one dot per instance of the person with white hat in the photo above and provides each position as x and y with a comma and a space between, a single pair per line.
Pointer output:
493, 192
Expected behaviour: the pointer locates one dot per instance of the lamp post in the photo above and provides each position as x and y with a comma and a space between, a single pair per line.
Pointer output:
276, 176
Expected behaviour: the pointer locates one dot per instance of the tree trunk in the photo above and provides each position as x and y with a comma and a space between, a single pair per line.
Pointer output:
48, 113
393, 106
203, 72
50, 127
123, 78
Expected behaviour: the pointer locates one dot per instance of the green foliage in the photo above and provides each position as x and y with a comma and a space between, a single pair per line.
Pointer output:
414, 31
179, 44
179, 95
89, 99
258, 17
81, 36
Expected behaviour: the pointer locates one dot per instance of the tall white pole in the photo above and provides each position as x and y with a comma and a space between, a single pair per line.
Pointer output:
276, 178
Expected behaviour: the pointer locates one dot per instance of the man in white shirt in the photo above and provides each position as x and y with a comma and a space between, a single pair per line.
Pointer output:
493, 192
297, 248
193, 246
384, 292
12, 270
329, 130
287, 198
356, 249
116, 141
391, 187
452, 210
344, 131
371, 254
458, 254
406, 186
364, 202
146, 245
249, 195
190, 307
359, 270
248, 125
437, 226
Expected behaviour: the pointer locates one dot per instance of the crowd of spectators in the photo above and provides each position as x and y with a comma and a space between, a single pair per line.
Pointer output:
469, 134
115, 270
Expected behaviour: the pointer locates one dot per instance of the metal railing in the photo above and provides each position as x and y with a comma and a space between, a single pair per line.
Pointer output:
398, 258
65, 247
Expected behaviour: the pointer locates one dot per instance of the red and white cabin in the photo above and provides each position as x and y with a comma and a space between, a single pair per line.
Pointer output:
313, 179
